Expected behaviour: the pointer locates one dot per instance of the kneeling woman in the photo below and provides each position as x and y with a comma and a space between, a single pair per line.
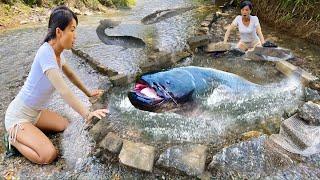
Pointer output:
249, 28
27, 116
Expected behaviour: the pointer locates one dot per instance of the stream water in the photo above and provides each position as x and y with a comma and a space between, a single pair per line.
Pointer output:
212, 118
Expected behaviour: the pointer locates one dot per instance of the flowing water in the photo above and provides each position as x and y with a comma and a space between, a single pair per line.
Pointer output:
211, 118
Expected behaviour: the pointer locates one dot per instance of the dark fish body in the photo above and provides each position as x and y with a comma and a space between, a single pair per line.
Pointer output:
124, 41
179, 85
161, 15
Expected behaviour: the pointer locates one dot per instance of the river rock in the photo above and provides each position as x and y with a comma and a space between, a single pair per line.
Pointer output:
311, 95
249, 160
218, 47
119, 80
268, 54
137, 155
199, 41
111, 142
100, 130
189, 159
302, 134
298, 172
162, 60
289, 69
310, 112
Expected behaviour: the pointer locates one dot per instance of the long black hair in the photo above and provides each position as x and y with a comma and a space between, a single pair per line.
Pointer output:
246, 3
60, 17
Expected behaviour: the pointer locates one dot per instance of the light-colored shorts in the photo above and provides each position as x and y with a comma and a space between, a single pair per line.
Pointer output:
249, 45
18, 113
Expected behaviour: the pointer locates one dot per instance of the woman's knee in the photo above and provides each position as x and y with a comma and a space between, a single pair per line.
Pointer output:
48, 155
63, 124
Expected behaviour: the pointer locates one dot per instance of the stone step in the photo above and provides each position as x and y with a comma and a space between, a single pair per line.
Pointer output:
302, 134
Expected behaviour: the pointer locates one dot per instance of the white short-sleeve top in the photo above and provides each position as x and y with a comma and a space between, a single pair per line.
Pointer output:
38, 89
247, 33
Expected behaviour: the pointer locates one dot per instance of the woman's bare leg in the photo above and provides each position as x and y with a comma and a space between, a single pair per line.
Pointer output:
34, 144
50, 121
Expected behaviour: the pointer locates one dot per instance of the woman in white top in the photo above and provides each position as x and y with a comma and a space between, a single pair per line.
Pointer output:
249, 28
27, 116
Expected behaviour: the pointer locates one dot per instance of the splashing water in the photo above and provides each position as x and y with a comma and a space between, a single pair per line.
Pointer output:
211, 116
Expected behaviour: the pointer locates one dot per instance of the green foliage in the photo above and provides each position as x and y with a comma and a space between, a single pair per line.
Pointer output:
30, 2
124, 3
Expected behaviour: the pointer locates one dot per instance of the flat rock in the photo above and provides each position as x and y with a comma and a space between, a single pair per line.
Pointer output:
302, 134
218, 47
269, 54
163, 60
137, 155
189, 159
199, 41
111, 142
249, 160
289, 69
310, 112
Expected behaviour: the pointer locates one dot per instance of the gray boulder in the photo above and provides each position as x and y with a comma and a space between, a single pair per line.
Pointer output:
189, 159
249, 160
310, 112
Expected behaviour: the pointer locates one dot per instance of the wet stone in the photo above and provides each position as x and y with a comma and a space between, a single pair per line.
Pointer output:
119, 80
289, 69
189, 159
111, 142
100, 129
311, 95
299, 172
310, 112
137, 155
178, 56
218, 47
199, 41
157, 61
302, 134
249, 160
269, 54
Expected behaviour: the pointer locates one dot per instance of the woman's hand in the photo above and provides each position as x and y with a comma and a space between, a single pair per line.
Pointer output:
99, 113
97, 92
95, 95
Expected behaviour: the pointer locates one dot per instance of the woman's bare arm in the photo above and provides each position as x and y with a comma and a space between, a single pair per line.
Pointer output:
259, 32
60, 85
75, 79
227, 34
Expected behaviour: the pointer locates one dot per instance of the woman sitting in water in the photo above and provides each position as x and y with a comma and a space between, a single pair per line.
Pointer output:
27, 116
249, 28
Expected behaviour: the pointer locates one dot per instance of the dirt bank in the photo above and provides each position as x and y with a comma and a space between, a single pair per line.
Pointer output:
301, 19
16, 13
